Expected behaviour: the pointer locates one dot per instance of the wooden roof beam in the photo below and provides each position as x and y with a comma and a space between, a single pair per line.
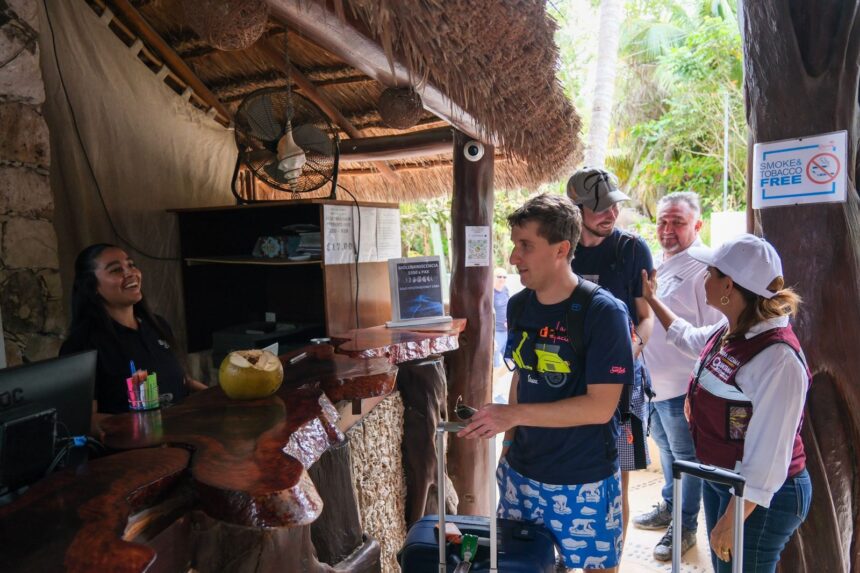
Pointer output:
391, 147
136, 23
345, 38
312, 93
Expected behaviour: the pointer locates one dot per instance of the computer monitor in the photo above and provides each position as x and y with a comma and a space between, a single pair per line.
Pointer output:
37, 399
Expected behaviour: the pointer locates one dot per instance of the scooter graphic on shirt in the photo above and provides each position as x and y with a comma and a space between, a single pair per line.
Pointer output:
547, 356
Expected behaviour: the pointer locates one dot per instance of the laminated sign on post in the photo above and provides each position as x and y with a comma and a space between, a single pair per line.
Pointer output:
416, 291
804, 170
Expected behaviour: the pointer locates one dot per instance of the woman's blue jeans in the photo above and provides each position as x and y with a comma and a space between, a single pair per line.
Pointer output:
671, 433
766, 530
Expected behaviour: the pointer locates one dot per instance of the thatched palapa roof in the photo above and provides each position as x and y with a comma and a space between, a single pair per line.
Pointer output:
492, 63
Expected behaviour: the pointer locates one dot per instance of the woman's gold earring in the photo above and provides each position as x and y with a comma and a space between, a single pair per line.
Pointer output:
724, 300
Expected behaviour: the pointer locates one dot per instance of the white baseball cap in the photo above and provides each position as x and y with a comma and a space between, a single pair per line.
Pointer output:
751, 261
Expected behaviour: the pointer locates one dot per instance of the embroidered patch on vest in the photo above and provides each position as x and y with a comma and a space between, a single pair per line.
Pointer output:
723, 366
739, 420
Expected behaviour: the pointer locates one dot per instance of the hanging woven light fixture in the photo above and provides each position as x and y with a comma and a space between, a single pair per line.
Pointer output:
400, 108
227, 24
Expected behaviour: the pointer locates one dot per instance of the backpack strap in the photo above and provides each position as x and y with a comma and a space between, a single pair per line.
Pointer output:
578, 303
516, 306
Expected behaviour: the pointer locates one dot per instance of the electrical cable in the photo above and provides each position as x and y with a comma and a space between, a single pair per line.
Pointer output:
116, 232
357, 249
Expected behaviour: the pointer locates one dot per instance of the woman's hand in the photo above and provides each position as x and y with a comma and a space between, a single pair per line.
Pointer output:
722, 536
687, 409
649, 285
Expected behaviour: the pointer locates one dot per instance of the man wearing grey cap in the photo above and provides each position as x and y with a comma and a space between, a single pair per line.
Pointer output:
614, 259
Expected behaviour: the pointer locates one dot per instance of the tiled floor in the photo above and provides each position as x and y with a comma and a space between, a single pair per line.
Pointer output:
644, 492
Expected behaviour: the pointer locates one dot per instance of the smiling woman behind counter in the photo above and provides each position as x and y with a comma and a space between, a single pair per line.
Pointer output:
110, 315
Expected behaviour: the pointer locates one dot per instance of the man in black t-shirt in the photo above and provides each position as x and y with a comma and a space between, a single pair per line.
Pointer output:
615, 260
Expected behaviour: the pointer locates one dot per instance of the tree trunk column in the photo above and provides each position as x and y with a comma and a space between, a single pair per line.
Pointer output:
801, 59
470, 367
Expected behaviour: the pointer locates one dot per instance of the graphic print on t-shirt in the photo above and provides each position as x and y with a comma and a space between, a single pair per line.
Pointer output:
546, 353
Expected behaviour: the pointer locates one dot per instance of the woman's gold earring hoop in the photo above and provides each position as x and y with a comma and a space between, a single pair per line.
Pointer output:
724, 300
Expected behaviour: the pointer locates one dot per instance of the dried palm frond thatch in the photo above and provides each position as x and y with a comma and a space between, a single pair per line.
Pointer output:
496, 60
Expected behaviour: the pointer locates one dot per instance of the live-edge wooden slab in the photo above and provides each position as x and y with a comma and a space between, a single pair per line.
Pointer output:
74, 520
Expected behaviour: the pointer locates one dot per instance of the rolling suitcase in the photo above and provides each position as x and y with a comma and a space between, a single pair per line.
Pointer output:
716, 475
504, 546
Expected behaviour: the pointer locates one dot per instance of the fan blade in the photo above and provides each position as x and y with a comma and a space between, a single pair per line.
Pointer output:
260, 156
311, 138
263, 120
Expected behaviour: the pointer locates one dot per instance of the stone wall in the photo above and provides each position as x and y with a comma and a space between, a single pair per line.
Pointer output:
30, 291
380, 484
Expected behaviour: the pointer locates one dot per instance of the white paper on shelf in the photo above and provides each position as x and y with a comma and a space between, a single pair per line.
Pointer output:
388, 234
337, 230
367, 224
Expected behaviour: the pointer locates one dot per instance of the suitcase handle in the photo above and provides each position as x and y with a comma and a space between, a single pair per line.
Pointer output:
710, 473
716, 475
454, 427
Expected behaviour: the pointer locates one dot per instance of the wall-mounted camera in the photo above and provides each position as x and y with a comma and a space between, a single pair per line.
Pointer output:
473, 150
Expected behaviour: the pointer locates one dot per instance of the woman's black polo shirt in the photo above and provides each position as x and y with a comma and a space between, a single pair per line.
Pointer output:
149, 351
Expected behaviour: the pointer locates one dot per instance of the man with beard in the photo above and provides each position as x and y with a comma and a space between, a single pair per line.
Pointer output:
682, 289
614, 259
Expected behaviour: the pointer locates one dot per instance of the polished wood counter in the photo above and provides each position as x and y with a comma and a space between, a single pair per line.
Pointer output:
423, 386
246, 463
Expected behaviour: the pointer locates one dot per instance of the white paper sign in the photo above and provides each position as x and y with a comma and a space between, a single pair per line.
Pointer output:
388, 234
477, 246
339, 247
804, 170
365, 217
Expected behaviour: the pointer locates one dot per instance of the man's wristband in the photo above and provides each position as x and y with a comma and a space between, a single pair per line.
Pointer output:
507, 443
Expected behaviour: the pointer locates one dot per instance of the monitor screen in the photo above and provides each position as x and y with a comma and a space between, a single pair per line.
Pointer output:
29, 393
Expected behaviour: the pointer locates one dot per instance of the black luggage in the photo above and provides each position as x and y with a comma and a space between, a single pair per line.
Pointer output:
716, 475
510, 547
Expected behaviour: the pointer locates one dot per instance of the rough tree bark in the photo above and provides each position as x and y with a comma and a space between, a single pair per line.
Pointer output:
470, 366
801, 59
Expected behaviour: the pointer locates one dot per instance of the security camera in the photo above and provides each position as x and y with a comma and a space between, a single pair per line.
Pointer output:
473, 150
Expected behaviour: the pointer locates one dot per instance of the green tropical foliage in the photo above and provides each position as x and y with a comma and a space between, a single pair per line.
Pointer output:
680, 67
678, 61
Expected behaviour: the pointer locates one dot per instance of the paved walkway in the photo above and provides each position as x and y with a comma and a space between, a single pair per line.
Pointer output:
644, 492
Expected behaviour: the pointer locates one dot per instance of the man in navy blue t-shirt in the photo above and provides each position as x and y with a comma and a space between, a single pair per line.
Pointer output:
559, 464
615, 260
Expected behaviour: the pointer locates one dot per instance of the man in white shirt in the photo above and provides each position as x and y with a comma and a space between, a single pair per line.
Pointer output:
681, 282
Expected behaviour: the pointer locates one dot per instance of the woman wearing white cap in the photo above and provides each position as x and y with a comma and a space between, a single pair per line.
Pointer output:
746, 396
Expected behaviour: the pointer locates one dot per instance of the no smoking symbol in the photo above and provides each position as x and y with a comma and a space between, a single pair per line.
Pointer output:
822, 168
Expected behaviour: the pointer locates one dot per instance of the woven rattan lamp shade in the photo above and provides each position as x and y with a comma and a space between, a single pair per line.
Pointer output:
400, 108
227, 24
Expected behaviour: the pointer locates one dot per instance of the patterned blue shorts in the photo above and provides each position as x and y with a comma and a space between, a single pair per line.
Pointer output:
585, 519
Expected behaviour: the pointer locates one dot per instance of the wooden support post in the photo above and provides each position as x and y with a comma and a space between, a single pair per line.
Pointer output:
470, 367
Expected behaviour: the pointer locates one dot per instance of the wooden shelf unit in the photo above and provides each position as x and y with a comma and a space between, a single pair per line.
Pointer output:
223, 285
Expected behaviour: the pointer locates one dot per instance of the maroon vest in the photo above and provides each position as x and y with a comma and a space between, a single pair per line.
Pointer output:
719, 410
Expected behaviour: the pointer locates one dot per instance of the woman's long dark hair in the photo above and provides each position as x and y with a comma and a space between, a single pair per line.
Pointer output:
88, 307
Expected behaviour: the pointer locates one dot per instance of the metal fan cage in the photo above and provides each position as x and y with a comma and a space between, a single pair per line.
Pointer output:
261, 121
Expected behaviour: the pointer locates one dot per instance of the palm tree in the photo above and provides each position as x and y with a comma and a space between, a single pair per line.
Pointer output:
604, 83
